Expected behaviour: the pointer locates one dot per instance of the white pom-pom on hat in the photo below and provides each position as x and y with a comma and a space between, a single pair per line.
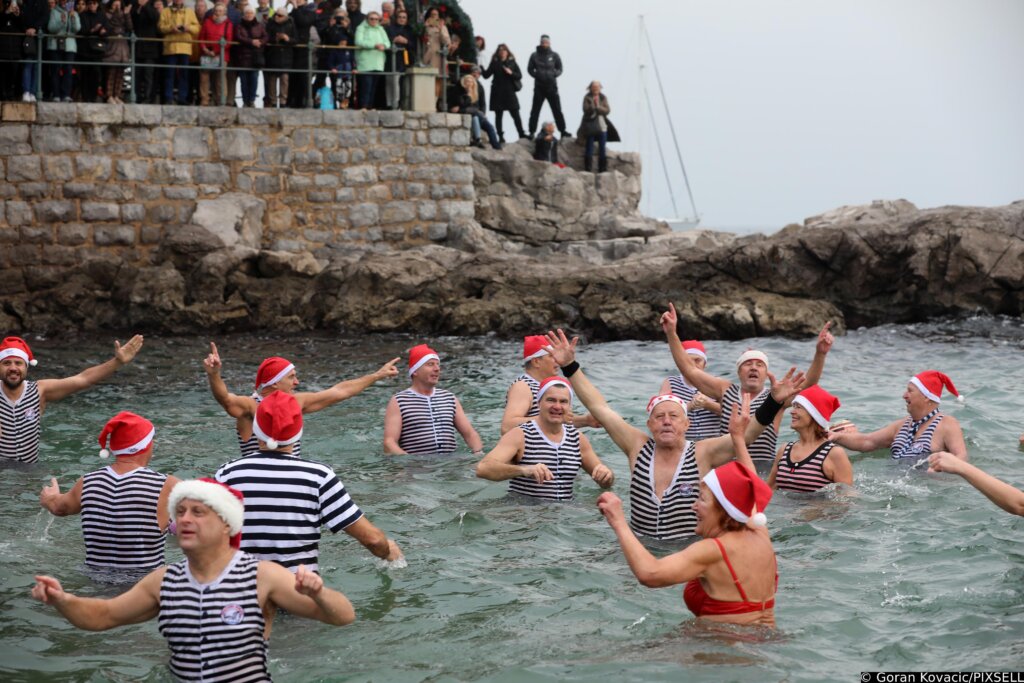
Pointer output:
271, 444
33, 362
759, 519
960, 398
104, 453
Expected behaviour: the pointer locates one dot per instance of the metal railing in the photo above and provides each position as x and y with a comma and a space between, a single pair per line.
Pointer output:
223, 66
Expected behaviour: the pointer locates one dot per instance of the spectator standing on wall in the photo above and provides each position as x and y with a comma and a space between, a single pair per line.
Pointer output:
304, 17
60, 49
215, 28
340, 60
11, 25
545, 66
354, 9
263, 11
118, 52
93, 36
248, 54
179, 26
508, 79
34, 15
145, 18
596, 127
372, 42
402, 37
281, 35
435, 37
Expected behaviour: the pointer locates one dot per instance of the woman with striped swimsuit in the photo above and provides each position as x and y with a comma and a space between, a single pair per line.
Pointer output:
813, 462
211, 606
752, 372
665, 467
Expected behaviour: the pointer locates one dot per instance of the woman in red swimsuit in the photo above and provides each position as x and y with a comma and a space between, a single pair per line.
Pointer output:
731, 575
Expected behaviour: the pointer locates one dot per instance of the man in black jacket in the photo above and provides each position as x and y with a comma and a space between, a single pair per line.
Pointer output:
304, 16
546, 66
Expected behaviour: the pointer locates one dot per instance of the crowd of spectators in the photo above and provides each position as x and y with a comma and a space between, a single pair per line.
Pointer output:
213, 52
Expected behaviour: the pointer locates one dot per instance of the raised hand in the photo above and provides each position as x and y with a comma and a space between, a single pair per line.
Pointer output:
126, 354
825, 339
388, 369
740, 418
787, 387
307, 582
560, 348
212, 363
669, 320
610, 506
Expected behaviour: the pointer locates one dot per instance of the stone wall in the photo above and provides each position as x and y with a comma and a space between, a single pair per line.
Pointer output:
81, 179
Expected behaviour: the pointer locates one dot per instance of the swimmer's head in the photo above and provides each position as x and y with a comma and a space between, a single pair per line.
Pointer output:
276, 374
126, 435
536, 356
424, 365
554, 398
813, 408
278, 421
667, 420
696, 351
15, 360
752, 370
189, 506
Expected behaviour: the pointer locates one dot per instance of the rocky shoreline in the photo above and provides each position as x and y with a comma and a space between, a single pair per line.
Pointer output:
546, 247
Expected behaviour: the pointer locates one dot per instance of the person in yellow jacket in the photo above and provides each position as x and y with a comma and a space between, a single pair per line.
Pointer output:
179, 26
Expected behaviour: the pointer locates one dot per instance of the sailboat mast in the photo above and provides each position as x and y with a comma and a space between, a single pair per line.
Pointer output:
671, 127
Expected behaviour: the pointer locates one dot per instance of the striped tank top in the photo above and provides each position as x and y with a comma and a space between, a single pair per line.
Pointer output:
907, 445
808, 474
562, 458
214, 631
428, 422
703, 423
251, 446
534, 388
765, 446
673, 516
19, 425
119, 519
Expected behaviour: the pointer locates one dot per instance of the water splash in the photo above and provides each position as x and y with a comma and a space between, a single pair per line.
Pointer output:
639, 621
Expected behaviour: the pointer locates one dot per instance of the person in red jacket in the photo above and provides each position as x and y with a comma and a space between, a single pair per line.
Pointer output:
215, 27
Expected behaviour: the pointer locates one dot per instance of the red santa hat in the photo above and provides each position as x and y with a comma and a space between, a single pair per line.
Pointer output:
271, 371
16, 346
740, 492
655, 400
228, 503
418, 355
695, 348
129, 434
752, 354
818, 403
930, 382
554, 382
534, 346
278, 420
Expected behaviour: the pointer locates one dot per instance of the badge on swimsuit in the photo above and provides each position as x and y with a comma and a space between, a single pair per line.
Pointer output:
685, 489
31, 415
232, 614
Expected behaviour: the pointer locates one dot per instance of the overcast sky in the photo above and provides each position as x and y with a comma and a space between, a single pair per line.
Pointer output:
787, 109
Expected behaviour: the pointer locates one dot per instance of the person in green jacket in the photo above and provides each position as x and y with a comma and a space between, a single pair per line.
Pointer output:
61, 49
371, 41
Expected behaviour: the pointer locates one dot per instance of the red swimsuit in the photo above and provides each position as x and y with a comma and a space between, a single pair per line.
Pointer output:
702, 604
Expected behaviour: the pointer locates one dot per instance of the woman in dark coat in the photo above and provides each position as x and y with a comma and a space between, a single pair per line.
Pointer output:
11, 22
280, 39
506, 73
148, 48
248, 54
93, 45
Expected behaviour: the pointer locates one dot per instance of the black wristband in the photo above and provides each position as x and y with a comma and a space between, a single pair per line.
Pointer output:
766, 412
569, 369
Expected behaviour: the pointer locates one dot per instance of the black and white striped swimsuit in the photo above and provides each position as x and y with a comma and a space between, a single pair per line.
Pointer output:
19, 425
119, 522
906, 445
251, 446
703, 423
765, 446
534, 388
428, 422
808, 474
214, 631
562, 458
673, 516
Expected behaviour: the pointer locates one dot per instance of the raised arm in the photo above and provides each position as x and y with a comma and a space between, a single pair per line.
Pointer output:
56, 389
592, 465
61, 504
303, 594
393, 428
311, 402
465, 428
140, 603
824, 345
847, 436
652, 572
996, 490
704, 381
628, 438
233, 405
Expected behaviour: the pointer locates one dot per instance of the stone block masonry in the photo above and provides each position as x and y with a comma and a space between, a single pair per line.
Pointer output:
138, 178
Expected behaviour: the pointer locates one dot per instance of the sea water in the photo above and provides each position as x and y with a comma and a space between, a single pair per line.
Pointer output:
915, 571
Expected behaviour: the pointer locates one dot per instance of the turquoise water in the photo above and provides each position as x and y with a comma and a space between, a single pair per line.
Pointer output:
915, 572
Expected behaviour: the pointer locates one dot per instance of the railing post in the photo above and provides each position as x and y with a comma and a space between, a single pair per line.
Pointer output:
393, 78
39, 66
222, 76
135, 72
309, 73
444, 78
